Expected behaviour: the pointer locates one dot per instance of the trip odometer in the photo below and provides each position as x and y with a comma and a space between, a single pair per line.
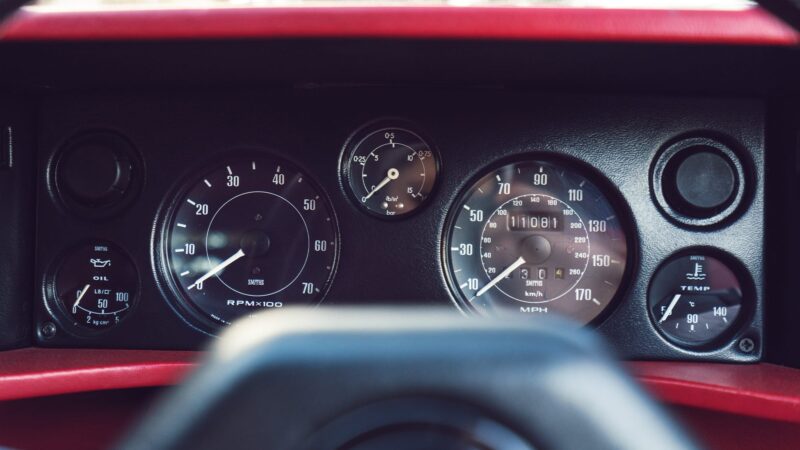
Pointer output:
536, 238
247, 235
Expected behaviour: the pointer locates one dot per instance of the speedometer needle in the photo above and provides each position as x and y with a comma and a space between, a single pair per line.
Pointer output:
671, 306
80, 296
520, 261
393, 174
218, 269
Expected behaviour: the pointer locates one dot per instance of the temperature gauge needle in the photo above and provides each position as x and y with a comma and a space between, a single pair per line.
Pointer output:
671, 306
218, 268
80, 296
520, 261
393, 174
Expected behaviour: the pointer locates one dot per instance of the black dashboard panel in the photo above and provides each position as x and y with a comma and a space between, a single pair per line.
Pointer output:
177, 134
17, 177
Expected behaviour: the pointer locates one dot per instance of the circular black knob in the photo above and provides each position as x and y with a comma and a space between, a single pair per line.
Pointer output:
703, 181
96, 170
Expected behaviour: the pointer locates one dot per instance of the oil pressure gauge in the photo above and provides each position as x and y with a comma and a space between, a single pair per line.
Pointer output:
389, 170
94, 287
697, 299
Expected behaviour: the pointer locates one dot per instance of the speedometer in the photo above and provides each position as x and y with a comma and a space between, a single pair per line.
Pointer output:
535, 238
248, 234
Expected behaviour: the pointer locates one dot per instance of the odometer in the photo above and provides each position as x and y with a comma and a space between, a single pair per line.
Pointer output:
537, 237
246, 235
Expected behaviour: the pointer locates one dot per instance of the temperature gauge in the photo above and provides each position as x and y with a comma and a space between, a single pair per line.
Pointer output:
95, 285
388, 169
696, 299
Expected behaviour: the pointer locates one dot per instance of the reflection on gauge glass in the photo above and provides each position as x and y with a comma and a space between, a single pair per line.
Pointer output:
96, 285
247, 235
389, 170
695, 299
536, 238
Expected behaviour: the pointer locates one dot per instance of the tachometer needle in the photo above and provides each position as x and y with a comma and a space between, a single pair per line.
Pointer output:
393, 174
520, 261
218, 268
80, 296
671, 306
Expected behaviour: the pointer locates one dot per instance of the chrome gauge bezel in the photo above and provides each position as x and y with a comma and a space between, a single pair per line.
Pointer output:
162, 270
364, 131
739, 326
608, 189
55, 307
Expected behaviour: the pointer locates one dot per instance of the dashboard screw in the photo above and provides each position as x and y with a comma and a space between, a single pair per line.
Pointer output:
747, 345
48, 330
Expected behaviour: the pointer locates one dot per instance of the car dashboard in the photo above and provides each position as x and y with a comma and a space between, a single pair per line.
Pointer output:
164, 175
183, 211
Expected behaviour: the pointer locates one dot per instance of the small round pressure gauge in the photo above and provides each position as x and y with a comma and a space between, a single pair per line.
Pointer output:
389, 170
95, 286
697, 299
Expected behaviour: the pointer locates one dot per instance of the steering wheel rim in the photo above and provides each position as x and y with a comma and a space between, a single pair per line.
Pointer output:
277, 380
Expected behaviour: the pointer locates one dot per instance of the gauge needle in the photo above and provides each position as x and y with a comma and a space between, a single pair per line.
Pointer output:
393, 174
80, 296
671, 306
520, 261
219, 268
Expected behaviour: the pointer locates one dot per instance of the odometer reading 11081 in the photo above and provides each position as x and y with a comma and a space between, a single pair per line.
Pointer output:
536, 238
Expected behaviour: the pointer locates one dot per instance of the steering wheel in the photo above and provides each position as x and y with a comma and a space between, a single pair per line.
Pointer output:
406, 380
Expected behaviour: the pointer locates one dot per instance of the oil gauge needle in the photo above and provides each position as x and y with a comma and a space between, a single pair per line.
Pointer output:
80, 296
520, 261
393, 174
671, 306
218, 268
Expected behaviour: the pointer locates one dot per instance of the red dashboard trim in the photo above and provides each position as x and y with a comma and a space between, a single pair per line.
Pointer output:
763, 391
37, 372
745, 27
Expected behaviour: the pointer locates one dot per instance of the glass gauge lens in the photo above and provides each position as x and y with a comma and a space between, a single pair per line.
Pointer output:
536, 238
248, 235
96, 285
695, 299
389, 170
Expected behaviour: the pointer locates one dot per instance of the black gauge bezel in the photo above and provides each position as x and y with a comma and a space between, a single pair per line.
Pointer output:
74, 208
681, 148
361, 133
55, 307
737, 328
161, 266
609, 190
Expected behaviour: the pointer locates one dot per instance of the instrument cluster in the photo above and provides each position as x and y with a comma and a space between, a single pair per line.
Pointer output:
154, 232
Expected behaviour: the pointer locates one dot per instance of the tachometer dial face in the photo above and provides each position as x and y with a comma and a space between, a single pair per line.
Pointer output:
536, 238
389, 170
248, 235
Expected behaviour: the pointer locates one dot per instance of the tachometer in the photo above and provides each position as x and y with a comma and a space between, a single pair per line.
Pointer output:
537, 237
247, 235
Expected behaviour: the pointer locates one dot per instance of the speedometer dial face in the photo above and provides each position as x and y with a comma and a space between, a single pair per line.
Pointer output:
248, 235
536, 238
